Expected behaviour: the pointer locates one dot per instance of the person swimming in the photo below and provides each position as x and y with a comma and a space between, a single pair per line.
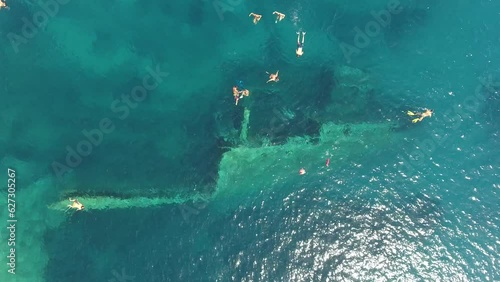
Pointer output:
3, 5
279, 16
299, 52
76, 205
236, 92
421, 116
256, 17
273, 77
244, 93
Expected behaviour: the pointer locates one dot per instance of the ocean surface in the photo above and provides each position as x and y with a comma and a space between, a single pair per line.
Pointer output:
131, 100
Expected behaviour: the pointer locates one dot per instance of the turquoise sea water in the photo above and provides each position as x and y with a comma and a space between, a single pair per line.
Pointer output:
422, 205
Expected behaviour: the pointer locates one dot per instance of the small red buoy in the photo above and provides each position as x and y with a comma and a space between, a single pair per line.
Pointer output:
302, 171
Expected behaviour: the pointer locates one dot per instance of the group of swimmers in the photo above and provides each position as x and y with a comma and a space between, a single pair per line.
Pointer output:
257, 17
279, 17
239, 94
273, 77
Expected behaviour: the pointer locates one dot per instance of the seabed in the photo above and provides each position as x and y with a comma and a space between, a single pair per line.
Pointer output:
243, 173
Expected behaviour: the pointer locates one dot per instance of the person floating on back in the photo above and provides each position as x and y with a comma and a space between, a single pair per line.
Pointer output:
256, 18
421, 116
273, 77
279, 16
300, 45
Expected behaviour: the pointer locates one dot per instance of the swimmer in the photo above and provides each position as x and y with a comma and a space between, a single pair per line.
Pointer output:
273, 77
236, 94
279, 16
3, 5
427, 113
256, 18
245, 93
75, 205
299, 50
239, 94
